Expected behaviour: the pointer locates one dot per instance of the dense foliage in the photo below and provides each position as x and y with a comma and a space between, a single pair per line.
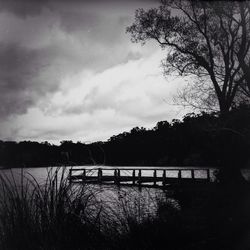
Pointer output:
196, 140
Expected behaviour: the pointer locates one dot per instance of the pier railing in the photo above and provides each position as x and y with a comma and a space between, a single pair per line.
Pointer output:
139, 176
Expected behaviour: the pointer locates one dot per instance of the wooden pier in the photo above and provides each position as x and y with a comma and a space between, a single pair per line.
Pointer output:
141, 177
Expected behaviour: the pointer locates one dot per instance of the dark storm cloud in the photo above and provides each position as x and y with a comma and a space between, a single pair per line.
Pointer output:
94, 27
26, 73
72, 21
20, 84
23, 8
17, 67
49, 48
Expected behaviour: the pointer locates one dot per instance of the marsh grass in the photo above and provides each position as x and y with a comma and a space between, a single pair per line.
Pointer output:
57, 215
140, 220
48, 216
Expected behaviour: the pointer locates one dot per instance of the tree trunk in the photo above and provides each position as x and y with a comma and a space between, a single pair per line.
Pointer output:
233, 155
224, 106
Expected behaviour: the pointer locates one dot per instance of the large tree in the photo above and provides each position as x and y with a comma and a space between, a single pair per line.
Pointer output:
243, 51
207, 39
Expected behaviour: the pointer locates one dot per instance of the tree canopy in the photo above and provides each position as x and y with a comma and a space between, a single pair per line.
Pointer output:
210, 40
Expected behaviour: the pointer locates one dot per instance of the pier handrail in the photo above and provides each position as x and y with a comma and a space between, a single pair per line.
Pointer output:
144, 169
136, 178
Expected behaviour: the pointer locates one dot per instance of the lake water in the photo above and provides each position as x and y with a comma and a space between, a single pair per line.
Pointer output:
143, 201
147, 198
40, 174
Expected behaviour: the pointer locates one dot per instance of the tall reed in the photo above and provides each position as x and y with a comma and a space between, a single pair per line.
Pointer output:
55, 215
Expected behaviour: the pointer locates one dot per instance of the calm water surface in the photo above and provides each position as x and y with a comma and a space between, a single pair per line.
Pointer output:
147, 197
40, 174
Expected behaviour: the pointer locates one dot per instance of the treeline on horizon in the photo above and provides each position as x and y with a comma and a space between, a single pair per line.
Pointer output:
194, 140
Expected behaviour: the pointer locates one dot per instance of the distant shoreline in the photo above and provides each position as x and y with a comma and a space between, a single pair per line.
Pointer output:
111, 166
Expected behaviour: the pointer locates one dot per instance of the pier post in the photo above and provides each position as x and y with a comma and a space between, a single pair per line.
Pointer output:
179, 174
192, 173
139, 177
164, 178
115, 176
84, 175
208, 175
133, 176
118, 177
155, 176
99, 175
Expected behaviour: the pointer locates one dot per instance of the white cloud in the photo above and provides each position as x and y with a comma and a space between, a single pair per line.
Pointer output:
74, 74
91, 107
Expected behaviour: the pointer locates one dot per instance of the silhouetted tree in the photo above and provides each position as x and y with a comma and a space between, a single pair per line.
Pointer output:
243, 51
207, 39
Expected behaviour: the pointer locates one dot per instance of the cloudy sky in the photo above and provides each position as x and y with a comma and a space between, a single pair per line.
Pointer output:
69, 71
